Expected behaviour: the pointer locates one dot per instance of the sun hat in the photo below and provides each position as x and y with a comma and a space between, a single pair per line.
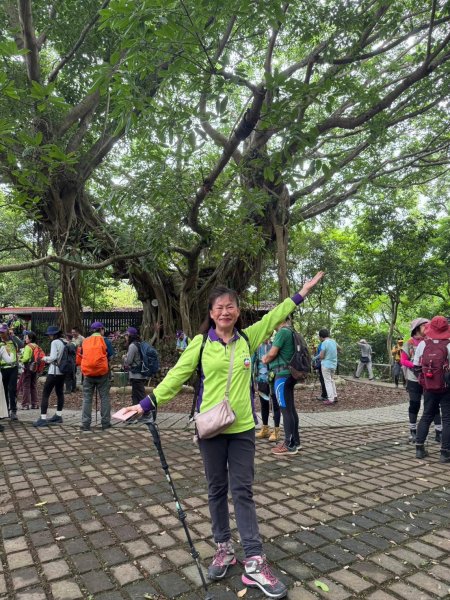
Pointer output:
417, 322
132, 331
52, 330
438, 328
362, 341
97, 325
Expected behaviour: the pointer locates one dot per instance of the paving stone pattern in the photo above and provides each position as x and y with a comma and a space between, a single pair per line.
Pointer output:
91, 516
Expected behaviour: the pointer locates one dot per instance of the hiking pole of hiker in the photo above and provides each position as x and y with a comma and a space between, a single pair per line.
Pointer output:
153, 428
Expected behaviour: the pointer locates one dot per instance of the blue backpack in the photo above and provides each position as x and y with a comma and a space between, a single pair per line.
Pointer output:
150, 359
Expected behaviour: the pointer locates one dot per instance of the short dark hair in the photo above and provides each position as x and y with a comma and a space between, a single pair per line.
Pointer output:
324, 333
32, 337
217, 292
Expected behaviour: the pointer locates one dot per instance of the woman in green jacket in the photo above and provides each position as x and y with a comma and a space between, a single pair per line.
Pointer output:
229, 457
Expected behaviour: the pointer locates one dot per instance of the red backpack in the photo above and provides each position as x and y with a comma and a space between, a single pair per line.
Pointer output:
94, 358
37, 364
434, 363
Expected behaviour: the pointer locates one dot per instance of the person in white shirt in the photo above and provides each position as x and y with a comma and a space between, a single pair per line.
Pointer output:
55, 379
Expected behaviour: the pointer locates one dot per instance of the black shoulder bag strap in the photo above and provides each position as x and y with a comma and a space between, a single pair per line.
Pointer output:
199, 378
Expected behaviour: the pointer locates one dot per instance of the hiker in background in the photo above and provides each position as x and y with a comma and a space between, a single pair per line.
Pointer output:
10, 369
413, 386
93, 356
133, 364
317, 366
229, 457
29, 376
431, 360
278, 358
328, 361
365, 359
77, 340
182, 341
71, 378
266, 395
5, 358
397, 369
55, 379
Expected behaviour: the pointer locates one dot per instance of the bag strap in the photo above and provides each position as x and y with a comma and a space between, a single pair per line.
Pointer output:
199, 375
230, 370
199, 371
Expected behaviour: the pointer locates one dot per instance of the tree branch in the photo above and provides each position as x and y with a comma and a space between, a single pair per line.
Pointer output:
32, 264
86, 29
29, 39
43, 37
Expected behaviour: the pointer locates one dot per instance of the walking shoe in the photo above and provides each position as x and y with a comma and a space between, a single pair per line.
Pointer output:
420, 451
13, 415
412, 436
275, 434
445, 456
24, 407
34, 406
322, 398
223, 558
283, 448
106, 426
259, 574
2, 428
40, 423
438, 437
85, 429
263, 433
328, 402
55, 419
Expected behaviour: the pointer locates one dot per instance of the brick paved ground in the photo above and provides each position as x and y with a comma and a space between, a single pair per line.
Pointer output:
92, 517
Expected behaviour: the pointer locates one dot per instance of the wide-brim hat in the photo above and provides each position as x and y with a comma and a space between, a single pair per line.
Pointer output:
132, 331
362, 341
52, 330
97, 325
438, 328
416, 323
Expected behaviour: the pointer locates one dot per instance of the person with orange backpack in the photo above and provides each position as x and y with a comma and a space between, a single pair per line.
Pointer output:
93, 357
34, 364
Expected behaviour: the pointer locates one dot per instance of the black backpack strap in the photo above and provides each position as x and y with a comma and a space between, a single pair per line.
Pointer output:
199, 378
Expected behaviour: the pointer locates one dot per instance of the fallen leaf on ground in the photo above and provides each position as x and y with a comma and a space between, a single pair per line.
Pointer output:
41, 503
242, 593
321, 585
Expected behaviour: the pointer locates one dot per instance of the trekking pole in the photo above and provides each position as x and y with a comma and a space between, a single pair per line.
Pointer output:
96, 404
153, 428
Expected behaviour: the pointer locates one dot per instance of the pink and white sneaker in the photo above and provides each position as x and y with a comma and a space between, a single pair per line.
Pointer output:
259, 574
223, 558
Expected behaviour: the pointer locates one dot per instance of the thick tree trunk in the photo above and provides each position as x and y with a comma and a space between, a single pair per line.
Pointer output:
51, 286
394, 312
71, 309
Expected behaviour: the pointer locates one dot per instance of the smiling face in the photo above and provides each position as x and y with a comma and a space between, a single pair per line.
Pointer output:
225, 313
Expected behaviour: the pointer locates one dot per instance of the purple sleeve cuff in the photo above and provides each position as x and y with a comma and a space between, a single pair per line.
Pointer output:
146, 404
297, 298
